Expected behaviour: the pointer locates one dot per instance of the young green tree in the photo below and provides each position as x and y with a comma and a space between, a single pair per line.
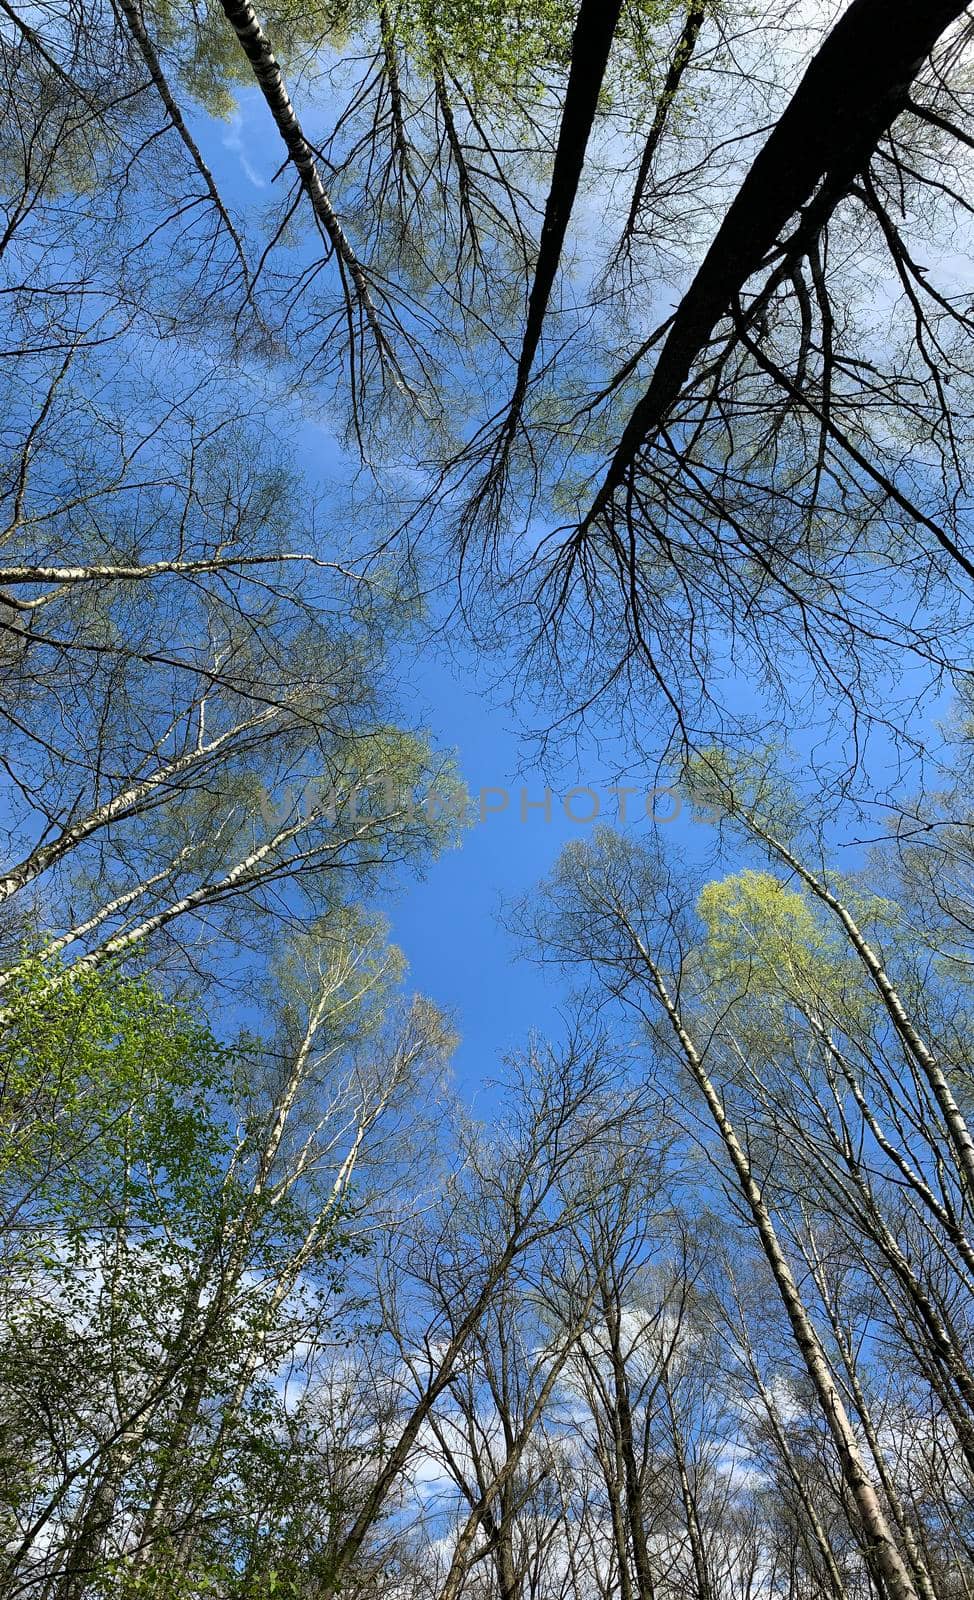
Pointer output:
180, 1218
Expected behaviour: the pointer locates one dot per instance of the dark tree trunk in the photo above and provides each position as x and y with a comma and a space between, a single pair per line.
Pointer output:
856, 85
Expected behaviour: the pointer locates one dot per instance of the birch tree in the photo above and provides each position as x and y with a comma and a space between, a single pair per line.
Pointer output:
209, 1257
605, 905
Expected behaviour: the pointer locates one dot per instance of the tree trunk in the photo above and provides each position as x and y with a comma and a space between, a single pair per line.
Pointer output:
856, 85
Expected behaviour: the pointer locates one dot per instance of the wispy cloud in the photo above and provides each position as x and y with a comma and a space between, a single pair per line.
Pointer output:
233, 140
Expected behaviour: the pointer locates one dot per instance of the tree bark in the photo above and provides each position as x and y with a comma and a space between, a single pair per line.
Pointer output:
257, 48
856, 85
880, 1544
591, 43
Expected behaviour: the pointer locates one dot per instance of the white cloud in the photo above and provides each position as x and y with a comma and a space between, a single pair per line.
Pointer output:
233, 140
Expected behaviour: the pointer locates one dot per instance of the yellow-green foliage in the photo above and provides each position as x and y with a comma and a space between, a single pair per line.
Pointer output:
774, 944
211, 63
500, 51
490, 45
761, 933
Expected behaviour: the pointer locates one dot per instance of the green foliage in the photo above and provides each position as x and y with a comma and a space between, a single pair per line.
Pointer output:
760, 932
744, 783
503, 52
502, 44
108, 1113
178, 1237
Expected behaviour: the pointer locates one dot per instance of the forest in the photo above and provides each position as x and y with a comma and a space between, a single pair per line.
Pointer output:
618, 355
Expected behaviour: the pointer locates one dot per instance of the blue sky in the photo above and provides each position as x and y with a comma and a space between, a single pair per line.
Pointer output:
449, 925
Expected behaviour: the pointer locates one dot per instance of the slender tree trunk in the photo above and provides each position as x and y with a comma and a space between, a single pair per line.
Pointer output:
686, 44
920, 1572
880, 1544
147, 50
595, 28
915, 1045
694, 1531
632, 1477
257, 48
128, 802
806, 1500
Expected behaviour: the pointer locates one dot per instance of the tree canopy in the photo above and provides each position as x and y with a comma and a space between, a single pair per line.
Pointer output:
627, 346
